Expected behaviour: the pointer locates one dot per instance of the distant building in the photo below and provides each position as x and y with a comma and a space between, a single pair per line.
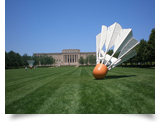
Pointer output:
67, 56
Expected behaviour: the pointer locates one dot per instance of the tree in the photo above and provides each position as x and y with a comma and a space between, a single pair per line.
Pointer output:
36, 58
11, 56
44, 60
86, 60
92, 59
81, 60
150, 49
51, 60
25, 57
18, 59
116, 55
133, 60
110, 52
7, 60
136, 57
15, 59
48, 60
141, 56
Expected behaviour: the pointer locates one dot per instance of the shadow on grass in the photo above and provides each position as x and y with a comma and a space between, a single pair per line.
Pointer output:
115, 77
118, 76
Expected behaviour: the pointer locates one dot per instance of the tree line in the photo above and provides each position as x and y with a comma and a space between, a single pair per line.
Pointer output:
145, 53
90, 59
15, 60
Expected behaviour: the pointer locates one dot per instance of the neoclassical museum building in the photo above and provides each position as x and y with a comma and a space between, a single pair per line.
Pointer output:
67, 56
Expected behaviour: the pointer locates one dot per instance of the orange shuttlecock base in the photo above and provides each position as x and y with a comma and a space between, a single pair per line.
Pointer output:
30, 67
100, 71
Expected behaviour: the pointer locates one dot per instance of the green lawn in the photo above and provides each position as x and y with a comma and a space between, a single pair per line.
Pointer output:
75, 91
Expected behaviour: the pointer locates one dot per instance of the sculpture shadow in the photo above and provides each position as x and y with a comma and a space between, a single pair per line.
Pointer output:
116, 77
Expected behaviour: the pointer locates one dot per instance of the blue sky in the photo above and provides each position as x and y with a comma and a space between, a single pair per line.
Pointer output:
48, 26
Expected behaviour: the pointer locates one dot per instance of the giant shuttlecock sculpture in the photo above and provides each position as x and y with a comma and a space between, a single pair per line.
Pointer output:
30, 62
118, 39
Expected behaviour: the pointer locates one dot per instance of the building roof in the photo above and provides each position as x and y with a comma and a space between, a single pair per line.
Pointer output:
65, 52
87, 52
46, 53
71, 49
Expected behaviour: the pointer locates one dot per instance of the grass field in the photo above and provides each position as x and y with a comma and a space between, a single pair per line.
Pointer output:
71, 90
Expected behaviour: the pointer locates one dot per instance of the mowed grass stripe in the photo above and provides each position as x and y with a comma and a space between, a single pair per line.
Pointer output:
29, 88
21, 81
88, 92
132, 90
126, 97
123, 90
34, 96
96, 98
138, 91
29, 73
117, 91
66, 98
12, 73
115, 101
88, 71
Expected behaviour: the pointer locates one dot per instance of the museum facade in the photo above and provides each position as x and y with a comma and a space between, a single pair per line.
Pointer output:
67, 56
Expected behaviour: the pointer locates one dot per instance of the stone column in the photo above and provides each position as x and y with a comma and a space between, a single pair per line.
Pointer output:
67, 58
76, 58
71, 59
62, 58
